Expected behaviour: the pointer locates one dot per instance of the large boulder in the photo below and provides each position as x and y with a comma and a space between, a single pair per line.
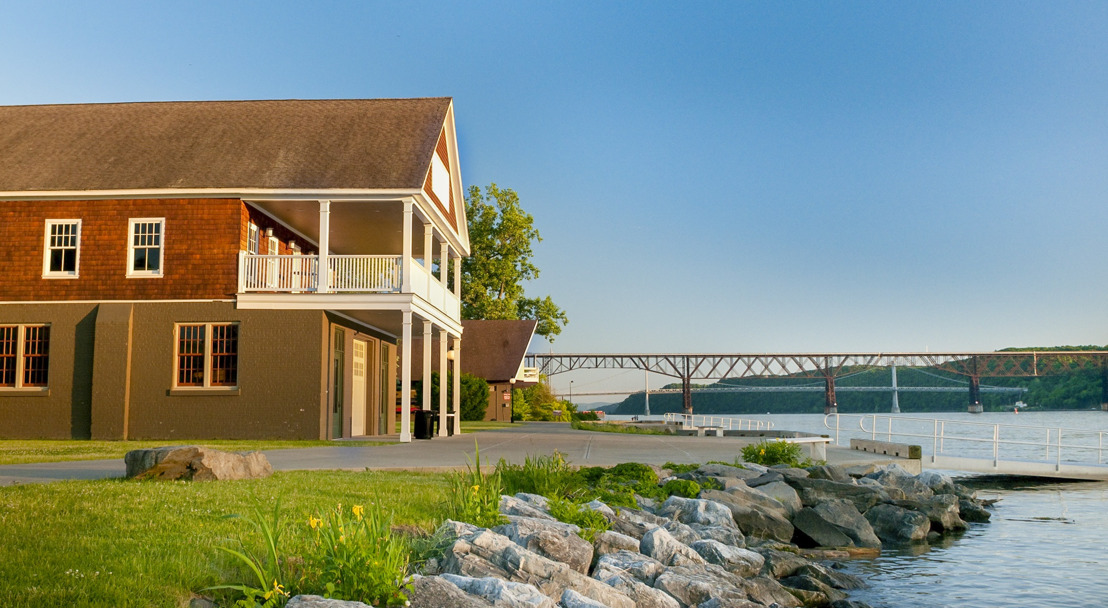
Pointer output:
898, 525
971, 510
554, 539
941, 509
779, 563
815, 491
726, 471
641, 567
436, 591
696, 511
728, 535
662, 546
831, 472
500, 592
316, 601
757, 497
754, 519
893, 476
190, 462
644, 595
735, 560
610, 542
784, 494
836, 523
514, 505
485, 553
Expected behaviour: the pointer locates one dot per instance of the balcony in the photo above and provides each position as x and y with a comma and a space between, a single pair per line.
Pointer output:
346, 274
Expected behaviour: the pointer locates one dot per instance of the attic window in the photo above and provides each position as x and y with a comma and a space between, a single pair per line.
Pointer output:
440, 181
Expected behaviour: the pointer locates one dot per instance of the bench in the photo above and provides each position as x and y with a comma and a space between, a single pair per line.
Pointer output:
702, 431
817, 446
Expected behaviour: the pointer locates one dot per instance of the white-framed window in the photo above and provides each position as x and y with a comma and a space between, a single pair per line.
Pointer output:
145, 247
24, 356
61, 255
206, 355
253, 240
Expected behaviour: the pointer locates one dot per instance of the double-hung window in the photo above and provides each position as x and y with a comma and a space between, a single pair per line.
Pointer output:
207, 355
61, 255
145, 247
24, 356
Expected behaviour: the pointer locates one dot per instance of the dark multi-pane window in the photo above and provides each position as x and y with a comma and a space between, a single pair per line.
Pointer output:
146, 247
207, 355
24, 356
63, 242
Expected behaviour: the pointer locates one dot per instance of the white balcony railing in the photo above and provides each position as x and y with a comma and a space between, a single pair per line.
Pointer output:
300, 273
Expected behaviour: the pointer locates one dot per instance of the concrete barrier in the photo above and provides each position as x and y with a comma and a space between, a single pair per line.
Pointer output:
900, 450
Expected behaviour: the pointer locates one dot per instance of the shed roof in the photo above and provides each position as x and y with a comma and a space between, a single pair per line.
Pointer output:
279, 144
493, 350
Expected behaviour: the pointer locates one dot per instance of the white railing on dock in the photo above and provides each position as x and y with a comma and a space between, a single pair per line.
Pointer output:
981, 440
726, 423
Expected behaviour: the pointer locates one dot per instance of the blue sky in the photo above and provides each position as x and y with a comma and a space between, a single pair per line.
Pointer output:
707, 176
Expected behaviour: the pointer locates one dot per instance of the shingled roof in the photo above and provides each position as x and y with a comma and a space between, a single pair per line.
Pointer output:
290, 144
493, 350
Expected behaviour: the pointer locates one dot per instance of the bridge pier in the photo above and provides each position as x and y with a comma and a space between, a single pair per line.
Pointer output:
686, 394
1104, 386
830, 403
975, 406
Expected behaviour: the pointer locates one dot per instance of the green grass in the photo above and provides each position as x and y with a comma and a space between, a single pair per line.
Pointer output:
128, 543
23, 451
483, 425
609, 427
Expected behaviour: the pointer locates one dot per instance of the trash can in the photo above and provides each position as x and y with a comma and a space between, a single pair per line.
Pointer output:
450, 424
424, 424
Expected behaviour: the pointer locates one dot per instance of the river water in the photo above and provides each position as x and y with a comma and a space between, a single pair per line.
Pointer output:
1044, 546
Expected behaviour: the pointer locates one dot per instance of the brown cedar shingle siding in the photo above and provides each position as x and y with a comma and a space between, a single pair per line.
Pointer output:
297, 144
200, 257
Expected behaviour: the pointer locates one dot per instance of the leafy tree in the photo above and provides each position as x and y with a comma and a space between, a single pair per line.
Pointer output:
475, 395
540, 403
501, 234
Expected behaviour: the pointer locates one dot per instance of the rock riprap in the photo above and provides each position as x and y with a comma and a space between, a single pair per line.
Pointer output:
196, 463
742, 547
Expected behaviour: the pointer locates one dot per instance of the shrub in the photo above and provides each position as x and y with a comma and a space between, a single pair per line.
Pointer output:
634, 472
550, 476
265, 567
677, 469
474, 400
769, 453
590, 522
474, 496
358, 558
681, 487
590, 415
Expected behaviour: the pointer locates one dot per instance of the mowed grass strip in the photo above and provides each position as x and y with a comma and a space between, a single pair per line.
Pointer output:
24, 451
148, 543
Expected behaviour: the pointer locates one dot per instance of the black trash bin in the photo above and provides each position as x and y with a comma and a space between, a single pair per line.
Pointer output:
450, 424
424, 424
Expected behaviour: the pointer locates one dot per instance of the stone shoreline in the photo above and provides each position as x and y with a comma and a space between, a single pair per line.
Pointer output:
770, 537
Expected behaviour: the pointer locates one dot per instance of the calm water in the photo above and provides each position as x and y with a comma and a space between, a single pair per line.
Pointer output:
1045, 544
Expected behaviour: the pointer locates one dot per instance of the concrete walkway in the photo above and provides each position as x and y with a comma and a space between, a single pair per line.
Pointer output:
514, 443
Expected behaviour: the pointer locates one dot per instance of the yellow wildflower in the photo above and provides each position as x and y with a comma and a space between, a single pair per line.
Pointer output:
358, 511
314, 522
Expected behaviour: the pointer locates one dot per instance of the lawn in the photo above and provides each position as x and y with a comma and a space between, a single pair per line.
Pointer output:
130, 543
23, 451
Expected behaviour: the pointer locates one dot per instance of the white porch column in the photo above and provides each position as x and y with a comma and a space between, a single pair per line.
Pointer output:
406, 379
458, 385
443, 431
426, 404
428, 235
444, 261
458, 278
406, 254
322, 285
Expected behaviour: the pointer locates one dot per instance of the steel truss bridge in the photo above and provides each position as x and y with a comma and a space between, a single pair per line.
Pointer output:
829, 366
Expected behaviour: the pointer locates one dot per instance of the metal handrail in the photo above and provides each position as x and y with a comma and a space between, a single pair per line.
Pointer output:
724, 422
939, 435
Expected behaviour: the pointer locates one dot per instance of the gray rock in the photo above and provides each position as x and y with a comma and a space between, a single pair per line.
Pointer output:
610, 542
970, 510
940, 483
815, 491
554, 539
728, 535
757, 497
850, 604
754, 519
487, 554
768, 592
742, 562
682, 532
892, 476
941, 509
830, 576
718, 603
831, 472
538, 501
572, 599
821, 593
510, 505
315, 601
722, 470
784, 494
791, 473
631, 563
662, 546
436, 592
190, 462
696, 511
764, 478
780, 564
898, 525
603, 509
829, 522
696, 585
500, 592
635, 523
644, 595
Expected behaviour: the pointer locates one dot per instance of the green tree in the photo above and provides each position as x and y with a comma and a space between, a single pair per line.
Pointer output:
474, 400
501, 234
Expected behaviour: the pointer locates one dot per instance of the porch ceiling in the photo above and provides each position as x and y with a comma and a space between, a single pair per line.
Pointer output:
362, 227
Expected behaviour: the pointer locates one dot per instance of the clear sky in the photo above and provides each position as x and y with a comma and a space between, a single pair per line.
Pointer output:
706, 176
